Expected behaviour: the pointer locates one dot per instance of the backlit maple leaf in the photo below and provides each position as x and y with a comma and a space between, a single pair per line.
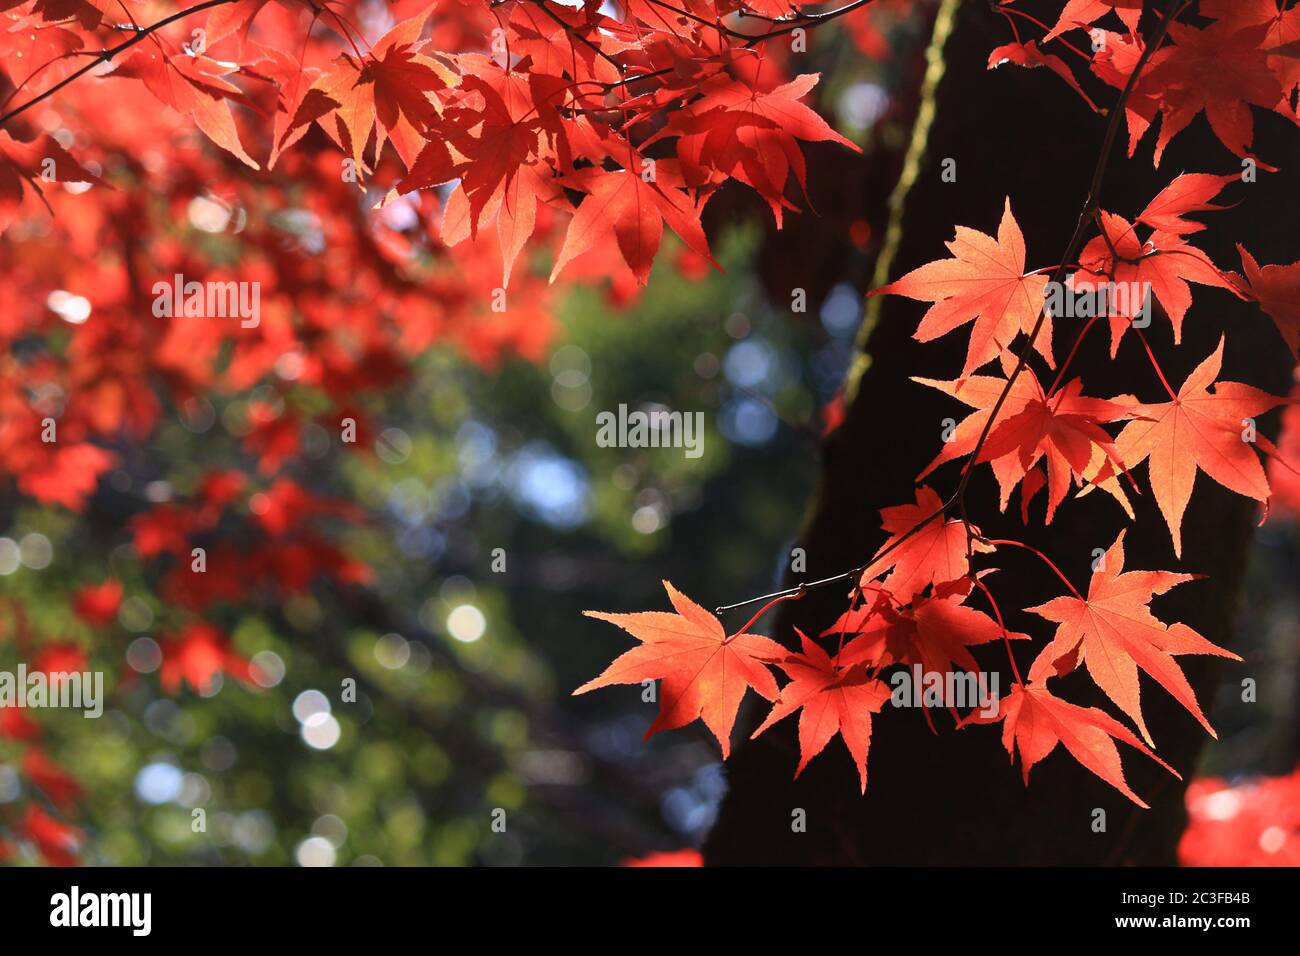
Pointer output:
1064, 431
1035, 721
831, 698
935, 554
1113, 633
751, 135
1081, 13
195, 86
1198, 429
1164, 262
1188, 193
385, 92
984, 281
1277, 289
631, 208
936, 632
703, 670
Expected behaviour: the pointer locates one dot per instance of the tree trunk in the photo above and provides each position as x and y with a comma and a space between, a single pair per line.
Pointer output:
950, 797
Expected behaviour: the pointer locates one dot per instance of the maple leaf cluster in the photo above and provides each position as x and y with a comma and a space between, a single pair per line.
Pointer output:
391, 179
911, 602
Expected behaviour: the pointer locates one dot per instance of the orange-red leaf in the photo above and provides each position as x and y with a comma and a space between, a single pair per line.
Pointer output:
1036, 721
984, 281
1201, 430
1113, 633
832, 698
704, 672
936, 554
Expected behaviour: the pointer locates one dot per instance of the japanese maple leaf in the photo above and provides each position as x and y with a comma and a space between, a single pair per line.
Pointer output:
1220, 69
1081, 13
1198, 430
753, 136
298, 103
704, 672
984, 281
1283, 32
514, 206
1164, 261
1114, 62
832, 698
97, 604
1113, 633
935, 632
386, 92
195, 86
935, 554
1036, 721
1188, 193
1277, 289
1063, 430
490, 144
981, 393
623, 206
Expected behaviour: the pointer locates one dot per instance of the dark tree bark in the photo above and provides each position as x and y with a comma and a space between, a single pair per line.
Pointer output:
951, 797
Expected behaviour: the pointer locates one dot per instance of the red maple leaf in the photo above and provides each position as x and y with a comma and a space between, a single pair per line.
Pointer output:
1188, 193
1030, 56
933, 555
386, 93
630, 207
1036, 721
1081, 13
1198, 429
195, 86
736, 130
703, 670
985, 281
1277, 289
936, 632
1164, 262
1064, 431
832, 698
1113, 633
